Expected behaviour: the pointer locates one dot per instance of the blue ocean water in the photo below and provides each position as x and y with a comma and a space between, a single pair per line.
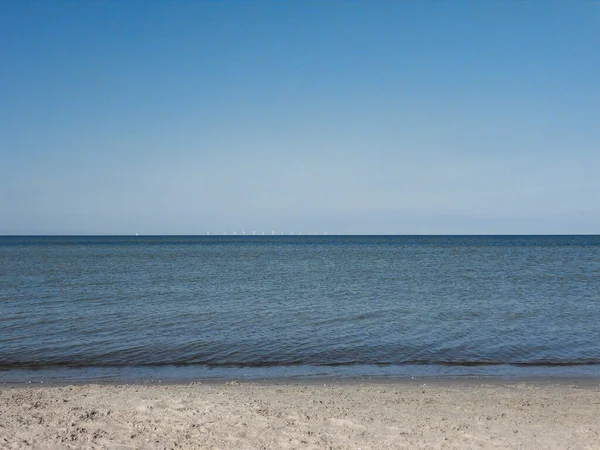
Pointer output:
187, 307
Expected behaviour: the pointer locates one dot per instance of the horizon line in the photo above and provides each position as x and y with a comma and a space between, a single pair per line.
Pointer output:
295, 235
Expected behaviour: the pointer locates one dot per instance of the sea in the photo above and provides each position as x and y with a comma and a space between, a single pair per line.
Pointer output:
185, 308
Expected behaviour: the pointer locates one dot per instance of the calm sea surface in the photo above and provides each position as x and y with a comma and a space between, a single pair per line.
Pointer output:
180, 308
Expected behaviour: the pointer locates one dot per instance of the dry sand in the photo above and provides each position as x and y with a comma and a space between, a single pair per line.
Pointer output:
279, 416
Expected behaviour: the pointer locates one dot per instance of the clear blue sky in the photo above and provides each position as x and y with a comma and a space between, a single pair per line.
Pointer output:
414, 117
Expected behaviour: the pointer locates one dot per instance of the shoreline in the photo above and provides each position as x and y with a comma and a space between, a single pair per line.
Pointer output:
175, 374
338, 415
586, 381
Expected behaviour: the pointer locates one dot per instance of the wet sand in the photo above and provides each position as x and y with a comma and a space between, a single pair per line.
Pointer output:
301, 415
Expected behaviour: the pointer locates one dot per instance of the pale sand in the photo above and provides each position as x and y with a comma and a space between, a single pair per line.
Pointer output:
279, 416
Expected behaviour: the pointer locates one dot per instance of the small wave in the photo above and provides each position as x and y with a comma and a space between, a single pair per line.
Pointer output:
252, 364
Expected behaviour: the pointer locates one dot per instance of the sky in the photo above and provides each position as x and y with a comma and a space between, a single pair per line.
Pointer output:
351, 117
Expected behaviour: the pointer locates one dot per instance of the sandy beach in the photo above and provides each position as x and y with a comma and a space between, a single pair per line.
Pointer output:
317, 415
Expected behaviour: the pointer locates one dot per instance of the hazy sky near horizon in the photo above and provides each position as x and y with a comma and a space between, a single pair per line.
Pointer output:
182, 117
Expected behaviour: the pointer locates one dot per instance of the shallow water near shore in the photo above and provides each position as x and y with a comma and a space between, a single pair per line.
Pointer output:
185, 308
